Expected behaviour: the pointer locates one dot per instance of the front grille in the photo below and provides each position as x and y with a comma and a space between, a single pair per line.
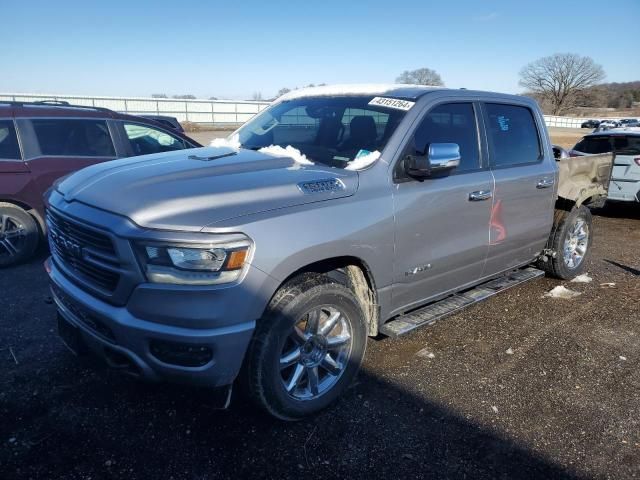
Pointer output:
82, 314
81, 234
87, 253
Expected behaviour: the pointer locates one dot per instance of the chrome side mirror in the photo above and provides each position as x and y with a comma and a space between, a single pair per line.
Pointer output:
443, 157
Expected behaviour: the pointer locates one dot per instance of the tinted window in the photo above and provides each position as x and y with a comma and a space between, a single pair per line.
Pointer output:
9, 148
626, 144
83, 138
593, 145
512, 133
451, 123
145, 140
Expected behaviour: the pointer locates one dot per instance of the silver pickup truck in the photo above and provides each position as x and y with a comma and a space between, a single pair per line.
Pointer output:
335, 214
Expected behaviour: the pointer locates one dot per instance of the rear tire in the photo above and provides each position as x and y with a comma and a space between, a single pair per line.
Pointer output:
306, 349
19, 235
570, 240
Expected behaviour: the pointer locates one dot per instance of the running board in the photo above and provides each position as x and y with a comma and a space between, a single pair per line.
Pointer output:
454, 303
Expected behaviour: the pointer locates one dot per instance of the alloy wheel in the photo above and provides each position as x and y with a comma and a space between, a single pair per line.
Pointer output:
12, 236
316, 353
576, 243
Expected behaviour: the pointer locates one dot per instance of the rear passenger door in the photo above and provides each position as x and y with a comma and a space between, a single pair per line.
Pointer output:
442, 223
524, 194
55, 147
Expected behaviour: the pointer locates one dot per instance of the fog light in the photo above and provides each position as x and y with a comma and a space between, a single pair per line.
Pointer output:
182, 354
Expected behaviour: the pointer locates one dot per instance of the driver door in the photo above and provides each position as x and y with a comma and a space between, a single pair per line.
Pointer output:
442, 223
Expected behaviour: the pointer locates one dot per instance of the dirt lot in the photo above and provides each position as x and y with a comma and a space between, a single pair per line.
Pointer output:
521, 386
565, 137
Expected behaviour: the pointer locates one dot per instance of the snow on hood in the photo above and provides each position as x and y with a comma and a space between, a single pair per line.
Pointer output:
232, 142
189, 189
289, 151
363, 161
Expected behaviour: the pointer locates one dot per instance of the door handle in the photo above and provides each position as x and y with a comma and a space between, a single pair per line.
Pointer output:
480, 195
545, 183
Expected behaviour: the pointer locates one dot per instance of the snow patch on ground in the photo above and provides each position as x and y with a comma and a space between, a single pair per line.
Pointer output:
232, 142
425, 353
289, 151
509, 351
363, 161
608, 285
562, 292
584, 278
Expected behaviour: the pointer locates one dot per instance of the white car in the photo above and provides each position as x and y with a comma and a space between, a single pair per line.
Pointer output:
608, 123
625, 176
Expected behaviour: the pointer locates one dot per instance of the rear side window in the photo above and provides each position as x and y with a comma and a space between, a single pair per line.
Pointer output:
513, 136
594, 145
451, 123
73, 138
145, 140
626, 144
9, 149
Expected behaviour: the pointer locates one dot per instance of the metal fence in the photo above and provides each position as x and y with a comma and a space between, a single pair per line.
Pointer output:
217, 112
568, 122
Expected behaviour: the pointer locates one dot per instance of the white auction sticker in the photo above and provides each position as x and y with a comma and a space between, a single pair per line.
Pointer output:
392, 103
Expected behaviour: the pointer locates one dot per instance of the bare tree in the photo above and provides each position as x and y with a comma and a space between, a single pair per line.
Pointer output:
185, 97
560, 79
282, 91
421, 76
256, 96
159, 95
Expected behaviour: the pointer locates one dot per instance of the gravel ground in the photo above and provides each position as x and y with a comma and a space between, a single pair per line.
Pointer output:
518, 386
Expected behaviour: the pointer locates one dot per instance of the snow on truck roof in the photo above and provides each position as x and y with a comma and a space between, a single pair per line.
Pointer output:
397, 90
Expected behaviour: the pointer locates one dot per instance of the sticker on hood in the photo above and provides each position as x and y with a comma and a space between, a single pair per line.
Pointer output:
392, 103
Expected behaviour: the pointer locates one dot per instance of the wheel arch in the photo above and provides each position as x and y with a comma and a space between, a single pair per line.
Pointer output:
30, 210
352, 272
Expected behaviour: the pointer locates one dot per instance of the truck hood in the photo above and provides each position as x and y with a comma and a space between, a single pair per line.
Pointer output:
190, 189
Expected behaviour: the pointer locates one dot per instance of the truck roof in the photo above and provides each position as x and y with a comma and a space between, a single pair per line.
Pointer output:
396, 90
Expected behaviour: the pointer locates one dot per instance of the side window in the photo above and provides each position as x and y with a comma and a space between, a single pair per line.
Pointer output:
451, 123
9, 149
76, 138
593, 145
145, 140
513, 136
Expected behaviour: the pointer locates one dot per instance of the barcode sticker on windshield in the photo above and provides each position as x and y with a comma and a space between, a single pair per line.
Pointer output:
392, 103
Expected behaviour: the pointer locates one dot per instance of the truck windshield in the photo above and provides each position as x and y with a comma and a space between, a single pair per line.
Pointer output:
329, 130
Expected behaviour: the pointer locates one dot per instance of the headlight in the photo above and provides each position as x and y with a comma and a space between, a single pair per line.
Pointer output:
194, 264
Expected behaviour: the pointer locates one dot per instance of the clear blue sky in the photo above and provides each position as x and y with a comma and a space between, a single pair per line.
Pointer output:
231, 49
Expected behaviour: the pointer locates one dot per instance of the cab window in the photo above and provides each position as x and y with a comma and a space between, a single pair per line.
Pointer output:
145, 140
451, 123
512, 134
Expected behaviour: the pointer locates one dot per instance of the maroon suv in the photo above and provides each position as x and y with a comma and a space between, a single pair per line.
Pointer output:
41, 142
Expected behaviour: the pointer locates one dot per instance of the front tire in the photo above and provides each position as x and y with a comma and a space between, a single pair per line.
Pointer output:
19, 235
307, 348
570, 240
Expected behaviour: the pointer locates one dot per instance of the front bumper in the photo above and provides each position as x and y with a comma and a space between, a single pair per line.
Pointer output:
125, 341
